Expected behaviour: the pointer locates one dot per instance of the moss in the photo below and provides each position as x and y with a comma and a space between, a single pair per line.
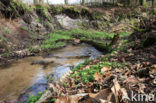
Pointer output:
137, 29
122, 17
56, 9
76, 9
53, 45
55, 41
98, 44
14, 8
93, 37
43, 12
16, 4
90, 34
125, 34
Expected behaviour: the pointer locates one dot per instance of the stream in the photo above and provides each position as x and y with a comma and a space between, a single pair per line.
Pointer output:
27, 76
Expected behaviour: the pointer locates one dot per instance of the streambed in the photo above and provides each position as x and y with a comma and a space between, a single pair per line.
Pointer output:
27, 76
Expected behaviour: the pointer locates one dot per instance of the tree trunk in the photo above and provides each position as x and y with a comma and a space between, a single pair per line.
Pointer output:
66, 2
153, 3
143, 2
137, 2
83, 2
41, 2
35, 2
47, 1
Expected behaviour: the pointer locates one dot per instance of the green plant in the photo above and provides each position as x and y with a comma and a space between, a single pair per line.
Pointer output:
64, 85
52, 100
152, 12
125, 34
38, 20
7, 54
7, 30
33, 50
16, 4
55, 40
44, 10
79, 23
87, 75
57, 9
122, 17
53, 45
24, 28
145, 4
137, 29
132, 22
3, 39
96, 38
33, 99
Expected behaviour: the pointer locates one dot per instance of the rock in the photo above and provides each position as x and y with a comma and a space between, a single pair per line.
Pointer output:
145, 15
76, 41
42, 62
69, 23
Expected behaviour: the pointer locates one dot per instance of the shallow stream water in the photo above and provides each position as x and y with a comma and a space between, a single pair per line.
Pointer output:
21, 77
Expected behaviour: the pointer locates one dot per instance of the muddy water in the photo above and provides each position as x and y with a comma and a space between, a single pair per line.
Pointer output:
17, 77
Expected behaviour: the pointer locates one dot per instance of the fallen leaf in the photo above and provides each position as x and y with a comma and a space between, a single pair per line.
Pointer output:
124, 95
138, 66
131, 79
115, 89
153, 68
66, 99
118, 70
154, 81
77, 41
104, 69
108, 74
146, 63
127, 73
71, 99
104, 101
98, 76
87, 67
141, 88
105, 94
